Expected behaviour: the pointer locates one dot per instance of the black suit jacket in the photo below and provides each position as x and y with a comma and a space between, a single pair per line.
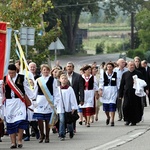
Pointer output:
78, 87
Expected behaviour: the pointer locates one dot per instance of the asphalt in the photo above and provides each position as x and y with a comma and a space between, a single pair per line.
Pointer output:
97, 137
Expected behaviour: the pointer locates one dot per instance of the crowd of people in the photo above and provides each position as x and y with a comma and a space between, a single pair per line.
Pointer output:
114, 85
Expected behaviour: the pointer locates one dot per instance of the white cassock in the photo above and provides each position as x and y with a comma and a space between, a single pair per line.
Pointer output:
68, 100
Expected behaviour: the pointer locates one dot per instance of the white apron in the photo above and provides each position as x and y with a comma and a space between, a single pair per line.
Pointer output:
109, 94
43, 106
88, 98
14, 110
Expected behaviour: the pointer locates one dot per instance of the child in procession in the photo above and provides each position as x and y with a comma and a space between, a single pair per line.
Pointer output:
68, 103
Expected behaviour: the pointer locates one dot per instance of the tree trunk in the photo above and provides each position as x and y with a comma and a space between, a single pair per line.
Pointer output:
70, 24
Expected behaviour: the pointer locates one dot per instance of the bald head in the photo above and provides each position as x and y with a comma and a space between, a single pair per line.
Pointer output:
121, 63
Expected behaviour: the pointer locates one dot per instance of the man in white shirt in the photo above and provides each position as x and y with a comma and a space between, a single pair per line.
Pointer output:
120, 70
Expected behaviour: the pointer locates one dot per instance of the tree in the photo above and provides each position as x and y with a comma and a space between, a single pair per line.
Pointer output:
142, 24
68, 11
29, 13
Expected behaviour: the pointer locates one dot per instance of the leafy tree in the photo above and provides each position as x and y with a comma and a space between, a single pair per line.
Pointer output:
29, 13
142, 24
68, 11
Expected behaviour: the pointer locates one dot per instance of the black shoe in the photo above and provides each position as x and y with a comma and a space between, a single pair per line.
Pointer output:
133, 124
46, 140
33, 134
119, 119
127, 123
80, 122
13, 146
54, 130
0, 139
107, 121
41, 138
20, 145
71, 135
112, 124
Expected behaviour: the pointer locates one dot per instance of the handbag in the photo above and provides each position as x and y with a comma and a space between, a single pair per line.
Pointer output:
68, 117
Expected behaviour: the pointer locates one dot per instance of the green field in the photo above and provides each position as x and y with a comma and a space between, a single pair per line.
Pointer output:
111, 41
104, 27
90, 44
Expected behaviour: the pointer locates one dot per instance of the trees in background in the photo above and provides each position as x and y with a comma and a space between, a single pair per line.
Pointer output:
29, 13
52, 16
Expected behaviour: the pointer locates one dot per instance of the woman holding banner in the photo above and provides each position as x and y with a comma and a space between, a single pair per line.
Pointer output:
47, 97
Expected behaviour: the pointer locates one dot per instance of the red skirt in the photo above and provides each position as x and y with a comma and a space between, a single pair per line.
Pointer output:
89, 111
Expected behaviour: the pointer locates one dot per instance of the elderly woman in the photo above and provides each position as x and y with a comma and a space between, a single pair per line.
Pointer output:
43, 110
108, 92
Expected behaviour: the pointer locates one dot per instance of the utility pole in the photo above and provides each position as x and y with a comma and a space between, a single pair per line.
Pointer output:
132, 30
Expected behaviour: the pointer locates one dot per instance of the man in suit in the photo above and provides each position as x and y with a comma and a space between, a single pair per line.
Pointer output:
76, 82
144, 64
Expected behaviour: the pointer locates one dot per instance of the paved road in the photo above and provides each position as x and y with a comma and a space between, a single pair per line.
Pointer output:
98, 137
79, 61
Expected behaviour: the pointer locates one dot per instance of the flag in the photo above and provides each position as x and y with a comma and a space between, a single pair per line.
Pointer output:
3, 28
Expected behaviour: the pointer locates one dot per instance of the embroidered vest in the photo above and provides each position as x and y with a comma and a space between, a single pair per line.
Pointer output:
107, 80
19, 83
90, 83
49, 85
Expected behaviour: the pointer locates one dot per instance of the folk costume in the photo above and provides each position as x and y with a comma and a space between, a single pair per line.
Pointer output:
108, 83
90, 86
14, 107
108, 87
43, 109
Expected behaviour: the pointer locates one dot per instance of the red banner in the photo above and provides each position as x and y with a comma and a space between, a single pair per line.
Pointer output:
3, 28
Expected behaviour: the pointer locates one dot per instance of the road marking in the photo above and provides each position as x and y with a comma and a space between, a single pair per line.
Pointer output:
106, 145
122, 140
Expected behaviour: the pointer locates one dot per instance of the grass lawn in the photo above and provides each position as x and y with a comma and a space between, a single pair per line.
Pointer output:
90, 44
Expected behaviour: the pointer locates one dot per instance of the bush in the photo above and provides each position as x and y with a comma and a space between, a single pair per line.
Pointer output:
136, 52
130, 53
139, 53
100, 47
112, 48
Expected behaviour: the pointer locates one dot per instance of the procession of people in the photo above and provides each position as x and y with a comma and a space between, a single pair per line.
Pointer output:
32, 99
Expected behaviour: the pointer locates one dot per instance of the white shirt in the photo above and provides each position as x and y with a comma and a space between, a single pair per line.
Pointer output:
70, 78
119, 74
